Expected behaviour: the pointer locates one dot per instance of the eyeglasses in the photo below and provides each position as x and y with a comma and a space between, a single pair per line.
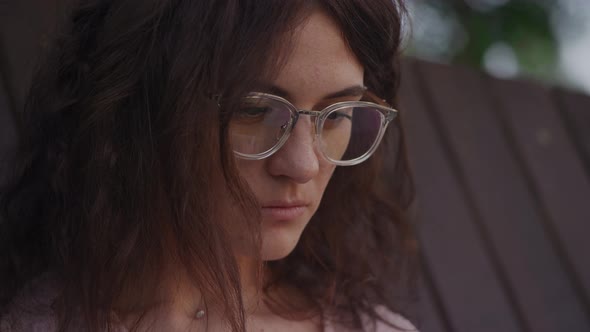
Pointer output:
347, 133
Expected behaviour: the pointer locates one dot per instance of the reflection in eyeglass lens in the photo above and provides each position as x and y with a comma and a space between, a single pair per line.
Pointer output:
345, 133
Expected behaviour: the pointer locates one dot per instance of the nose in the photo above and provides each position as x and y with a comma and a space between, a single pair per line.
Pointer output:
297, 159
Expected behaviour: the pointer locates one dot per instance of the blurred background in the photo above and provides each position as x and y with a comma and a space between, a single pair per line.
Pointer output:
501, 162
546, 40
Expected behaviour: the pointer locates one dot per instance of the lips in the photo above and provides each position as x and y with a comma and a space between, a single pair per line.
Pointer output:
284, 210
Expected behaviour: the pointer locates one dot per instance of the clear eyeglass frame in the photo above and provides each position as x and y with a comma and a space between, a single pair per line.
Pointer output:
388, 114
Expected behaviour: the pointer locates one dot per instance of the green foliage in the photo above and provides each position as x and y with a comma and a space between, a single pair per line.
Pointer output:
524, 25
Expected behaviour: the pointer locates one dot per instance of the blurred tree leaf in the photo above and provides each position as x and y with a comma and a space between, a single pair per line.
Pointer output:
524, 25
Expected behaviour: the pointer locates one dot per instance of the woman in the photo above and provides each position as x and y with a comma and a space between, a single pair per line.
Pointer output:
212, 165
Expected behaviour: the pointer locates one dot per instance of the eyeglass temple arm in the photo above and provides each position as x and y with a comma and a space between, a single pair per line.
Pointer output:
373, 98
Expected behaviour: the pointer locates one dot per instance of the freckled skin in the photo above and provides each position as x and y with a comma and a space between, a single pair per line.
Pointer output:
320, 63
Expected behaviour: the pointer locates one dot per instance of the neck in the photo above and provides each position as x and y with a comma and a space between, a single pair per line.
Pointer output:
180, 301
251, 282
182, 294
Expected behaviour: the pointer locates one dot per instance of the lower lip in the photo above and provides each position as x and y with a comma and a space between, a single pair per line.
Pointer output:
283, 213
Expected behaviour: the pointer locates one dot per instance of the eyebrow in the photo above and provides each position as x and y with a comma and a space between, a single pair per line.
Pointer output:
352, 91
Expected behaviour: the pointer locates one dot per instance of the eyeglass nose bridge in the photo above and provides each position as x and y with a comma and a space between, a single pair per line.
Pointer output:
314, 114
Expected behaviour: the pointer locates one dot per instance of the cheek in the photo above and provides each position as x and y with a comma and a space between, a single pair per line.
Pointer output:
253, 175
324, 175
250, 171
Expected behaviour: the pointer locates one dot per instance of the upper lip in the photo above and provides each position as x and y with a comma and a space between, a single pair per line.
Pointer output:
285, 204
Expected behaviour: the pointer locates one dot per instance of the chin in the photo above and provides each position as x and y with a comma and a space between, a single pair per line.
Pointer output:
278, 243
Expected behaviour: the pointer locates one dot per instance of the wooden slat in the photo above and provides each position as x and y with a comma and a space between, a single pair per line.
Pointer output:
432, 316
541, 289
575, 108
429, 318
558, 176
460, 267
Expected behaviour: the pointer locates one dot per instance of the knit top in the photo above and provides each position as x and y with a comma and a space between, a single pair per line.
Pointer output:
31, 311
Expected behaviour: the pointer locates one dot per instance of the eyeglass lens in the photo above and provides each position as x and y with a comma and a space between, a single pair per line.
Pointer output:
346, 133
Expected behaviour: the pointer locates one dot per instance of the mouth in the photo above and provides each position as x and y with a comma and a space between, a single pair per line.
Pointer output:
284, 211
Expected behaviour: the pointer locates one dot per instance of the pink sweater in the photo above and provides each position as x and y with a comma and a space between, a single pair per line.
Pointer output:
31, 313
380, 326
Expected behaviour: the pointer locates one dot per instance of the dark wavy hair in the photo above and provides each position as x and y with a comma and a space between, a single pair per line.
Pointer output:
123, 154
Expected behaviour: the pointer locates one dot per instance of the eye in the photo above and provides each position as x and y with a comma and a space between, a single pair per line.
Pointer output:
335, 118
250, 114
338, 116
252, 111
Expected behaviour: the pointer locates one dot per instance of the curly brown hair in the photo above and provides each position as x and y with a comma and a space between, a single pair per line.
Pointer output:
123, 152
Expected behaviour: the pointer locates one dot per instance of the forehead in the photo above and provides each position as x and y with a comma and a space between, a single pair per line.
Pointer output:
320, 61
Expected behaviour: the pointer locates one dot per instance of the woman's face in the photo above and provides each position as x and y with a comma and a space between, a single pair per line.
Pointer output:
289, 184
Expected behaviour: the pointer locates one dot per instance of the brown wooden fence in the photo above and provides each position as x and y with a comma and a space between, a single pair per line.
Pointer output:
502, 170
503, 182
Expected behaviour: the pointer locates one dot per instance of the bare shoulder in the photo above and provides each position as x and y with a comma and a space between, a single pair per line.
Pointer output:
401, 324
32, 309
